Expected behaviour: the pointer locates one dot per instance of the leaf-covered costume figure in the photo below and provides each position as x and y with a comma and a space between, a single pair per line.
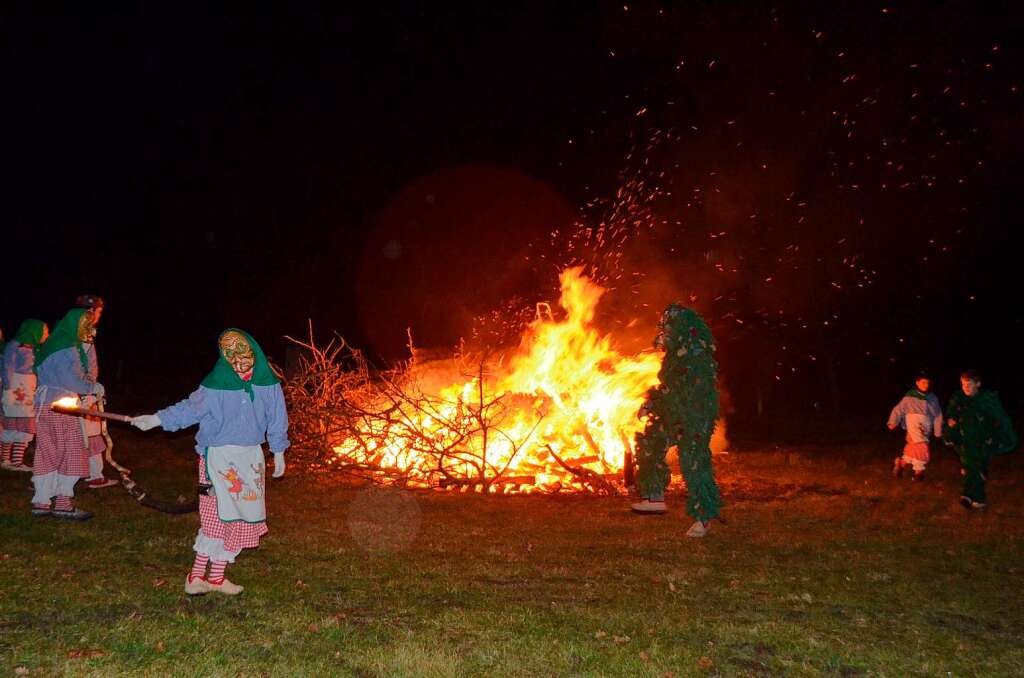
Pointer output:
982, 431
681, 411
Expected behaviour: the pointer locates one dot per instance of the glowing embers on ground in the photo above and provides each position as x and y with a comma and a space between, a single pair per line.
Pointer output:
558, 415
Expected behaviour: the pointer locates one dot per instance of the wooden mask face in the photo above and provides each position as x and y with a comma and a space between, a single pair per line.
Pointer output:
236, 350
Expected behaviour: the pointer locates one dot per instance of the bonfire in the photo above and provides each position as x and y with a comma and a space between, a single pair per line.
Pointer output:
558, 413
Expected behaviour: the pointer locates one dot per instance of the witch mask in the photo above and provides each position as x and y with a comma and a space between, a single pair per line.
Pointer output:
238, 352
86, 329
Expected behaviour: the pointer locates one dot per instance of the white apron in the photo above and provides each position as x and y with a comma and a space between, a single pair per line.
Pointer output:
238, 474
17, 398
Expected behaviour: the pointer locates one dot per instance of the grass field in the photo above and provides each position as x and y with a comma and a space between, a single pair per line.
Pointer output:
826, 566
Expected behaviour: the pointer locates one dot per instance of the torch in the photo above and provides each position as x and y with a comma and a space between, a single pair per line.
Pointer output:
69, 405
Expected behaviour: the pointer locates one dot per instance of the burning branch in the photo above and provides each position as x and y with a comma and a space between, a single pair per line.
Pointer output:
384, 427
590, 478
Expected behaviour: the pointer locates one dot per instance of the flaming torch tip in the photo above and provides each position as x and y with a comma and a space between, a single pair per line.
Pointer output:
65, 403
69, 405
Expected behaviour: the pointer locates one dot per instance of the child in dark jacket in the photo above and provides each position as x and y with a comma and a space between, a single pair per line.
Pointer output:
977, 428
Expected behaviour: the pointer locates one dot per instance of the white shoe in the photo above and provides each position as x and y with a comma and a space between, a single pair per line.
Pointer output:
196, 586
649, 507
227, 587
698, 529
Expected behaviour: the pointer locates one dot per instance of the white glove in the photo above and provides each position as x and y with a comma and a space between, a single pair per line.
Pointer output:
146, 421
98, 390
278, 464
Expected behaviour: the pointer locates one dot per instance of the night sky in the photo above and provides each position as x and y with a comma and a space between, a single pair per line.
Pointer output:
834, 187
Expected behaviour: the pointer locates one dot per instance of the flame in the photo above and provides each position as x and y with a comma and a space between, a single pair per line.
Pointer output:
567, 392
65, 403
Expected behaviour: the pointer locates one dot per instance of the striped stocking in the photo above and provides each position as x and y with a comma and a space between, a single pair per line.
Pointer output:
217, 568
19, 453
199, 566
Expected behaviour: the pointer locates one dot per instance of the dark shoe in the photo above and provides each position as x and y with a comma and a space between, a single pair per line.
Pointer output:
77, 515
918, 475
41, 513
966, 503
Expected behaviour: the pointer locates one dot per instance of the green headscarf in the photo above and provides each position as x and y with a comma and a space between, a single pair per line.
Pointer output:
65, 335
30, 332
224, 378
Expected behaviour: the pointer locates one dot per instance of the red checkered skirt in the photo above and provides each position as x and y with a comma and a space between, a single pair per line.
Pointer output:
20, 424
60, 445
96, 445
236, 535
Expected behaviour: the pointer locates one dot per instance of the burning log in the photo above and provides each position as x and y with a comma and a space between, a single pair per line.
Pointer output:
516, 480
586, 476
592, 444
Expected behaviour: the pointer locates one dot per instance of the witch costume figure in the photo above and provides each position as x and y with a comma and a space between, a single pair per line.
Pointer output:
95, 443
238, 406
19, 391
62, 368
680, 412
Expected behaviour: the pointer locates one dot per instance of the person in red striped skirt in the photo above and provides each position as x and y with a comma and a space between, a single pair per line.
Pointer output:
60, 460
95, 443
238, 406
19, 390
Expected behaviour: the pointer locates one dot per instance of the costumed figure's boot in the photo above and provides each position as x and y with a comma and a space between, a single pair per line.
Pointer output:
648, 507
196, 586
75, 514
100, 483
972, 505
64, 509
226, 586
698, 529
